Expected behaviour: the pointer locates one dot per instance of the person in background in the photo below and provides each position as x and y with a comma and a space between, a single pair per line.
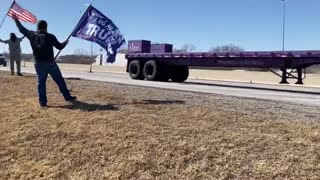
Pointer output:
42, 44
15, 52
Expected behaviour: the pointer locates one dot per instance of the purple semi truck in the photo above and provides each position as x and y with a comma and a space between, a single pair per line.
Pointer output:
157, 62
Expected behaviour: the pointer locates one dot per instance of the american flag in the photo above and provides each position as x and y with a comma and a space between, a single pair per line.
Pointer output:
22, 14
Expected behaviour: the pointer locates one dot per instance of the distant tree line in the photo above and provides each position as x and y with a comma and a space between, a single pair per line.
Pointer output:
79, 57
76, 59
185, 48
227, 48
24, 56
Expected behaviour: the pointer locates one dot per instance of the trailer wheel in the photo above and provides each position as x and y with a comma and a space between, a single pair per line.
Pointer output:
164, 75
179, 73
152, 71
135, 70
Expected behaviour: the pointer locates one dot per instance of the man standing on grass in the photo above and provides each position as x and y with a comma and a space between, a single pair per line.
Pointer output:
15, 52
42, 44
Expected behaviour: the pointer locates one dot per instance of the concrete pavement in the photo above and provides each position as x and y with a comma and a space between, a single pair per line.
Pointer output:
291, 94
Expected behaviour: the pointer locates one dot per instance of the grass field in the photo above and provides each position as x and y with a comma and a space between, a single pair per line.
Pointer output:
125, 132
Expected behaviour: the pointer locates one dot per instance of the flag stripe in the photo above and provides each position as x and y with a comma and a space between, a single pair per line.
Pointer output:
23, 18
27, 15
22, 14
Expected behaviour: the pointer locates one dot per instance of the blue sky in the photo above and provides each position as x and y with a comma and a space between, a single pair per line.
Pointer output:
251, 24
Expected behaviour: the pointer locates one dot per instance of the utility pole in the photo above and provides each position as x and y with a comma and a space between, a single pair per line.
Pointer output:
91, 60
283, 25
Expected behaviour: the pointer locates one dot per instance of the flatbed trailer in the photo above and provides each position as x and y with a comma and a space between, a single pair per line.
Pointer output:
162, 66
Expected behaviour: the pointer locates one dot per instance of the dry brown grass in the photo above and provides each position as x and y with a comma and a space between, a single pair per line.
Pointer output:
117, 132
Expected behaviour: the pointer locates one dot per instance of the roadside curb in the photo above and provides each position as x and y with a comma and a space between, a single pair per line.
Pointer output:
246, 86
231, 84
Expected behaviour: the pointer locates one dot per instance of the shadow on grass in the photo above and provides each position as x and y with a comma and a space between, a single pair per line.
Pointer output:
26, 75
111, 107
88, 107
159, 102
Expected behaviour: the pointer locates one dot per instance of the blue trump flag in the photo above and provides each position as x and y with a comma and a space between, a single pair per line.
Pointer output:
96, 27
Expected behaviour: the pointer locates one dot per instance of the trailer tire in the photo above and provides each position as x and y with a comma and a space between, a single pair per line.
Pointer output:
151, 71
164, 75
179, 73
135, 70
164, 78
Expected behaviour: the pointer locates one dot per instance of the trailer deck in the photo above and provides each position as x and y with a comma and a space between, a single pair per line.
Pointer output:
162, 66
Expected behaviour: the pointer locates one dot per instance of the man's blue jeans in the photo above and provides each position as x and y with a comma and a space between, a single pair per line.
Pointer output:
51, 68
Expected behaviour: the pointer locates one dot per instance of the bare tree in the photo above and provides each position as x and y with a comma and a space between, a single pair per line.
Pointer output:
123, 51
81, 52
226, 48
186, 48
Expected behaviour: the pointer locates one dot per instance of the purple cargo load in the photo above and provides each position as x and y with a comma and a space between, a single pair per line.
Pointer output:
161, 48
139, 46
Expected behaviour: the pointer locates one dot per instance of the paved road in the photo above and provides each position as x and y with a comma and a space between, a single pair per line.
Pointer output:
299, 95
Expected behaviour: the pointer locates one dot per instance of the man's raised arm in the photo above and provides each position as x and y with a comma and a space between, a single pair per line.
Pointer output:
6, 41
21, 28
57, 44
20, 39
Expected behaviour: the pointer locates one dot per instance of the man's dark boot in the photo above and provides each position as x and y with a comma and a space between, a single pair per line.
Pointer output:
43, 105
71, 98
